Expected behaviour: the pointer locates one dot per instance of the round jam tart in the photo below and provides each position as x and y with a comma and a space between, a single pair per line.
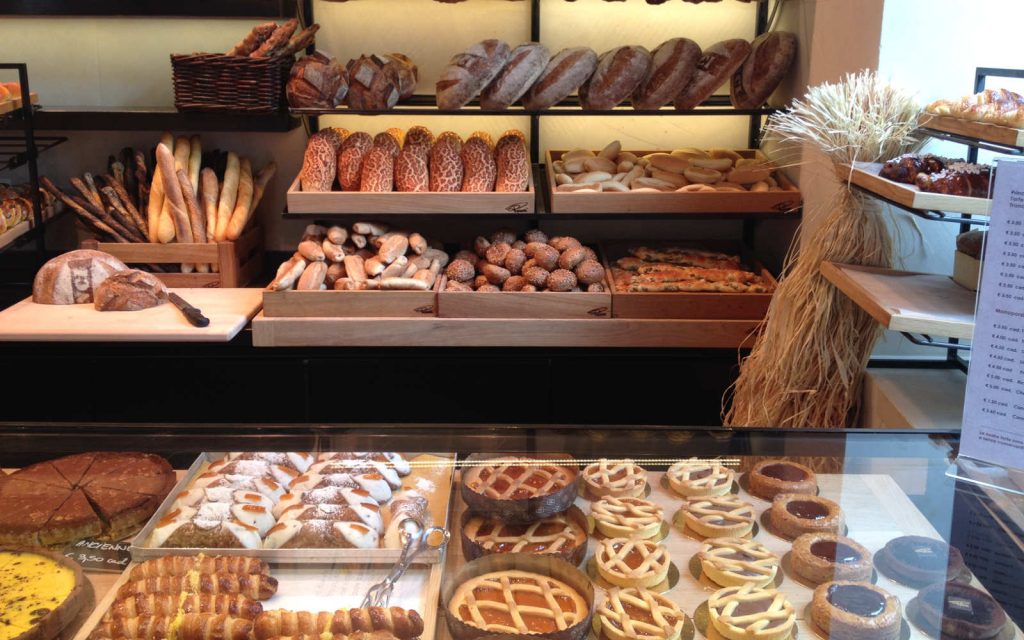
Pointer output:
822, 557
731, 562
627, 517
563, 535
856, 611
614, 478
41, 592
748, 612
697, 478
769, 478
718, 516
629, 562
794, 514
922, 560
960, 611
639, 614
519, 489
518, 602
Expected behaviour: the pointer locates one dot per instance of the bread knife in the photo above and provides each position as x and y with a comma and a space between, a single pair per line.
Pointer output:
193, 315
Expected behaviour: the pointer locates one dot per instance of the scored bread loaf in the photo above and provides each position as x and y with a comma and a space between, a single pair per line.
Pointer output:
130, 290
513, 163
770, 58
72, 278
618, 73
411, 174
564, 74
716, 65
524, 66
317, 81
446, 163
479, 167
372, 83
469, 72
378, 173
673, 64
350, 160
408, 74
319, 164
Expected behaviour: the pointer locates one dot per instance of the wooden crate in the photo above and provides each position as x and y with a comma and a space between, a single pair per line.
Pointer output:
579, 305
351, 304
672, 202
239, 262
686, 305
327, 202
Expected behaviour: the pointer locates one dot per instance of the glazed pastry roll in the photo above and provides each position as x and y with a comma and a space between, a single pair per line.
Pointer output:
157, 605
327, 534
255, 586
403, 623
181, 565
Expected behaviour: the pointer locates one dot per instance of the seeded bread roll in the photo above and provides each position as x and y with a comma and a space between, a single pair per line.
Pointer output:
716, 66
673, 64
479, 167
619, 72
350, 160
564, 74
524, 67
469, 72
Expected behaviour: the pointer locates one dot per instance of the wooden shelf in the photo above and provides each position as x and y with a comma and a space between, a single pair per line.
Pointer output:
8, 237
968, 131
156, 119
500, 332
925, 303
865, 175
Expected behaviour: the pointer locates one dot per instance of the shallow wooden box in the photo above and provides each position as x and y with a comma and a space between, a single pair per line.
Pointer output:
351, 304
238, 261
580, 305
326, 202
673, 202
684, 305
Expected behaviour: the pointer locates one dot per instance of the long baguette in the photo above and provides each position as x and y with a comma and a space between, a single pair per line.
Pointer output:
174, 200
133, 213
195, 215
142, 183
209, 189
228, 196
182, 149
195, 161
81, 211
119, 213
242, 203
156, 195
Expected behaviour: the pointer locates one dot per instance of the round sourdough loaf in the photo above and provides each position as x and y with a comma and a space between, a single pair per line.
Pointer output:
715, 67
673, 64
619, 72
469, 72
564, 74
770, 58
72, 278
130, 290
524, 66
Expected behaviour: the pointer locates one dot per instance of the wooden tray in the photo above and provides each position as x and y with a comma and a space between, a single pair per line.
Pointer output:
229, 310
327, 202
998, 134
688, 305
671, 202
439, 475
239, 262
927, 303
581, 305
351, 304
865, 175
14, 104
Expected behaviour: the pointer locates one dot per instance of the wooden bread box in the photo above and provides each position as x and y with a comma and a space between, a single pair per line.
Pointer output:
673, 202
237, 262
351, 304
579, 305
685, 305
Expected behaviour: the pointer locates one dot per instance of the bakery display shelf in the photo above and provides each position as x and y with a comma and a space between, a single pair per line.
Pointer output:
915, 303
431, 474
876, 509
157, 119
183, 8
501, 332
992, 137
14, 104
421, 105
25, 230
14, 151
932, 206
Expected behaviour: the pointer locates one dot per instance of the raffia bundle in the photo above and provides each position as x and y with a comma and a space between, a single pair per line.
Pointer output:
807, 365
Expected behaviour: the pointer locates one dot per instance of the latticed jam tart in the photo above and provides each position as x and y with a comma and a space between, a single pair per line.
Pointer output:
518, 602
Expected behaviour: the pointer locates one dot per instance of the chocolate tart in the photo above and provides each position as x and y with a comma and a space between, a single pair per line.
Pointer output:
639, 614
519, 490
769, 478
823, 557
794, 514
577, 603
41, 592
751, 613
960, 611
919, 561
847, 610
563, 535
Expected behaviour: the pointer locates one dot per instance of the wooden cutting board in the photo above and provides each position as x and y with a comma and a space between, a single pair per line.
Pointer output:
228, 310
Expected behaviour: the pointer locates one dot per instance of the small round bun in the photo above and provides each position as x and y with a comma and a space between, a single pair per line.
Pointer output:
562, 280
460, 271
589, 272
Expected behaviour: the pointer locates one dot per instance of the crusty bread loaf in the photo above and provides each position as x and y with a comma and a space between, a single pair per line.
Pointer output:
408, 74
389, 141
350, 160
513, 163
716, 66
619, 72
523, 68
373, 83
446, 163
673, 64
564, 74
770, 58
317, 81
319, 164
479, 166
411, 169
469, 72
72, 278
130, 290
378, 171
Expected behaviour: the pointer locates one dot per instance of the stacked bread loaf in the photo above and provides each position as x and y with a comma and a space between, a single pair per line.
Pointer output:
414, 161
613, 170
675, 71
374, 82
534, 262
370, 257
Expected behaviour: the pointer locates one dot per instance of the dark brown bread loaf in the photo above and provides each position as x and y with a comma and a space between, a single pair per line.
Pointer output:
408, 74
130, 290
619, 72
373, 83
469, 72
564, 74
673, 64
317, 82
523, 68
72, 278
770, 58
716, 66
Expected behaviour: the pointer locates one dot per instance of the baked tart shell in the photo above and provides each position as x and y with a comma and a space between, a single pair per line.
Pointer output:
67, 611
767, 487
471, 549
529, 509
544, 565
816, 569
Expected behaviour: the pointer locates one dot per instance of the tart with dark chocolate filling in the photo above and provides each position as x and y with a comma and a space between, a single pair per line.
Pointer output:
920, 560
847, 610
769, 478
794, 514
960, 611
822, 557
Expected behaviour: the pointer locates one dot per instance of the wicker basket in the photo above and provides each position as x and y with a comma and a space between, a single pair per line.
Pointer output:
237, 84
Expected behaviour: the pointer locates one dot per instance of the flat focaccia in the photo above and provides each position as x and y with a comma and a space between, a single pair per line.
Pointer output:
697, 285
679, 274
687, 257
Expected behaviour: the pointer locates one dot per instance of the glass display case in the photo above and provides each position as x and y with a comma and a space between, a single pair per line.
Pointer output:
552, 531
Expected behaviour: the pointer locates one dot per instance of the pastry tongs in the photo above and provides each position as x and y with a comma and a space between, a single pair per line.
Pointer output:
417, 539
